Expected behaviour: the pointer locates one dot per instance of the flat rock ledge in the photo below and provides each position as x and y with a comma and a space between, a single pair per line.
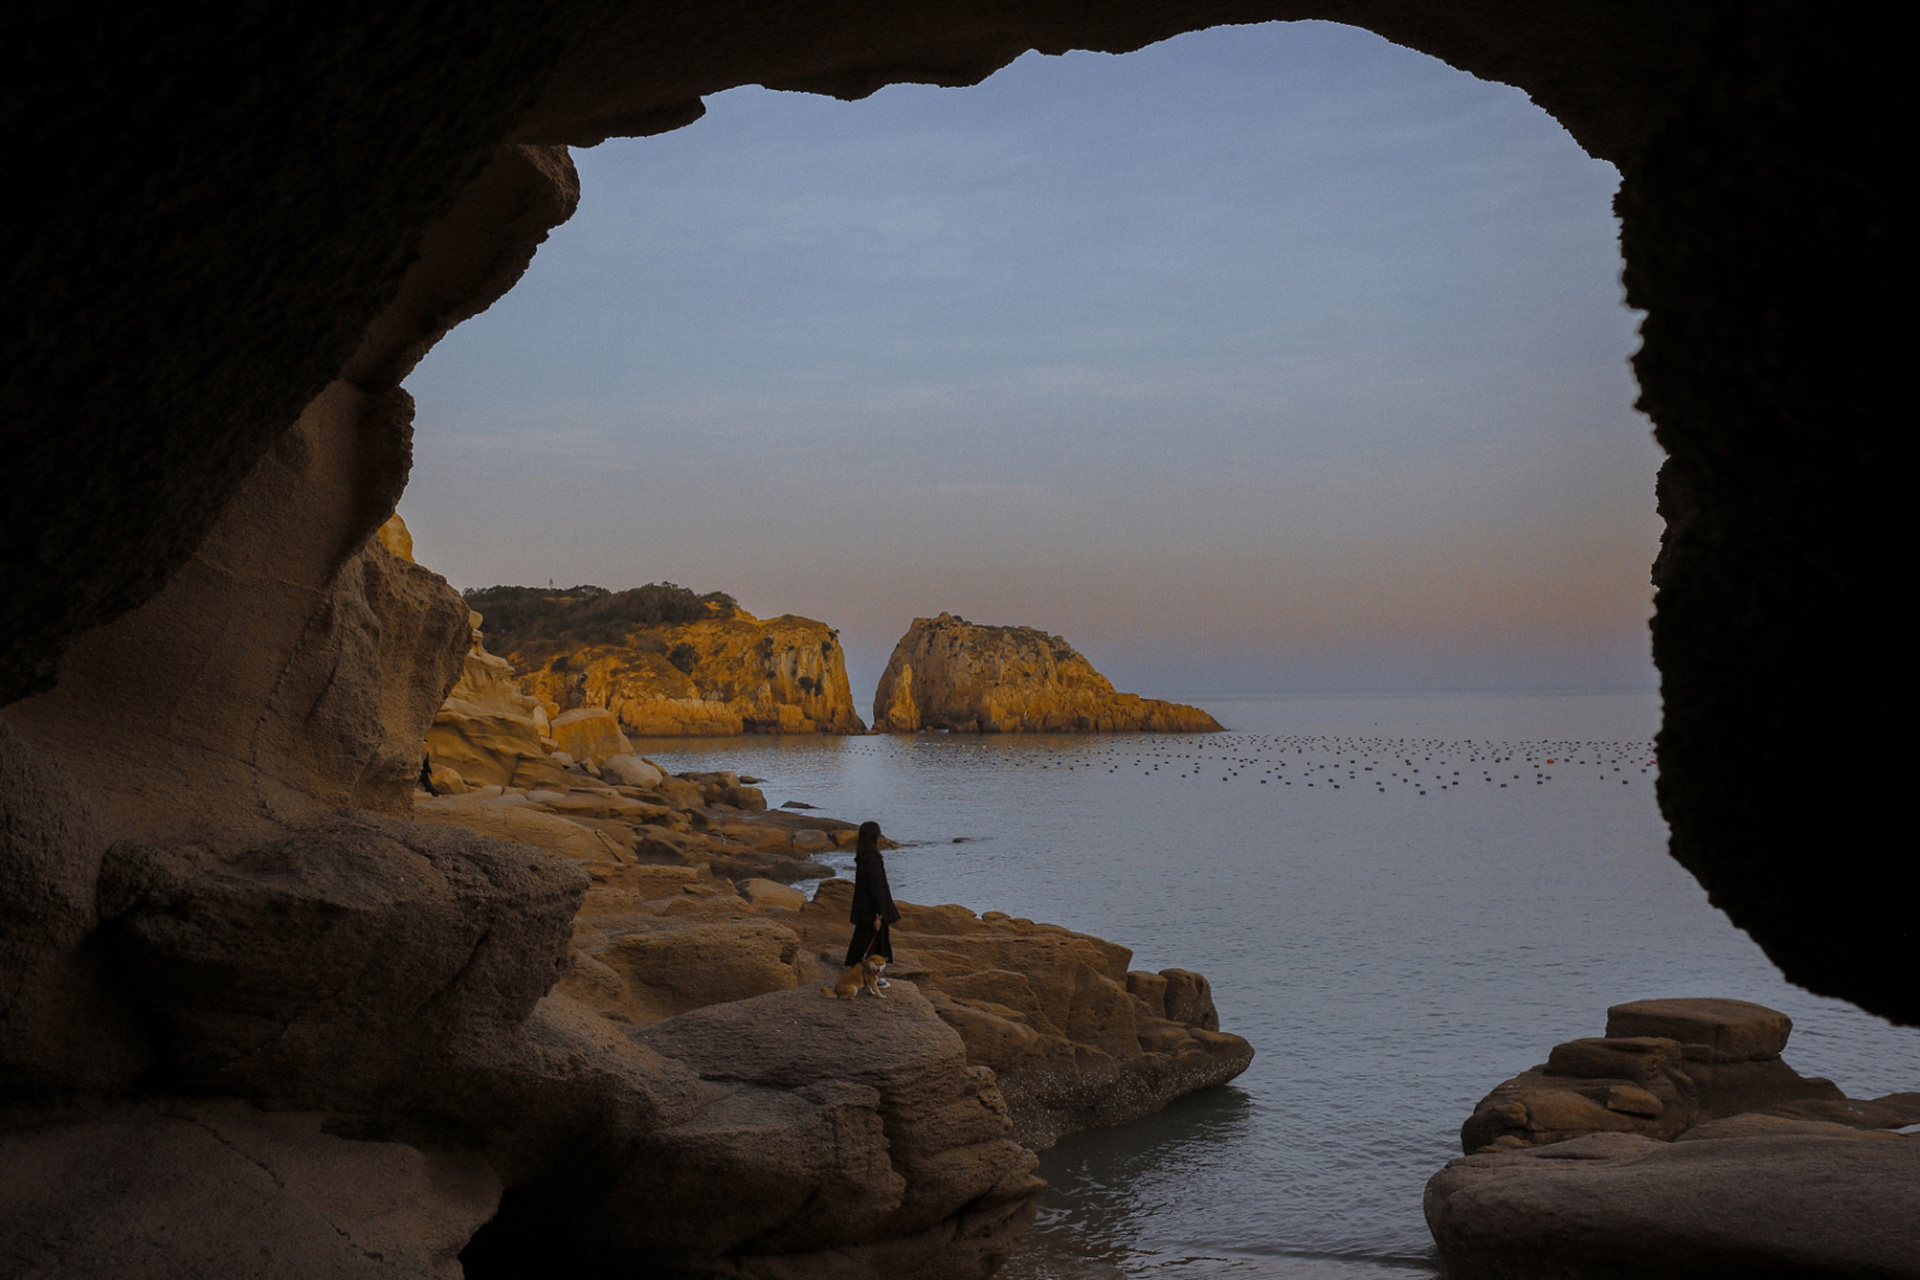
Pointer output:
1680, 1144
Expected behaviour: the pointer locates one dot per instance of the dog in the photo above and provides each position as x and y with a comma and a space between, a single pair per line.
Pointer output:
865, 974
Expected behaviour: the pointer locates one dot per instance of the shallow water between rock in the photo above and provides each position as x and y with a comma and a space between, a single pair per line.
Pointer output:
1400, 900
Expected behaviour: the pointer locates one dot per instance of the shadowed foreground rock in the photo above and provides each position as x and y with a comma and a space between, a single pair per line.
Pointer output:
1837, 1203
216, 1190
1680, 1144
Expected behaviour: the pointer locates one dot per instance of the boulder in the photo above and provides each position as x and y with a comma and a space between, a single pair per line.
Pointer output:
337, 965
947, 673
1728, 1030
1755, 1202
630, 770
919, 1175
216, 1190
590, 734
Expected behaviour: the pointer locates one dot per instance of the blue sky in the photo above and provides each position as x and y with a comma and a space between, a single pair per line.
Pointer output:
1266, 358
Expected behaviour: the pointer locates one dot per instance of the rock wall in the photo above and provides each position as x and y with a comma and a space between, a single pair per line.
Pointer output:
948, 673
742, 675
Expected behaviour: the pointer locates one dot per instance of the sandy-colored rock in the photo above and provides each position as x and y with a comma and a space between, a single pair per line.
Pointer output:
589, 733
744, 675
216, 1190
487, 730
396, 538
631, 771
1833, 1203
761, 894
947, 673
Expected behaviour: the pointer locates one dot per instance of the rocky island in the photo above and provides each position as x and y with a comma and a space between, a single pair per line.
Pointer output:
948, 673
1680, 1143
669, 663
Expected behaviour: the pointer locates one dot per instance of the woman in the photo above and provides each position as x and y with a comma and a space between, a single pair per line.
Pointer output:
873, 909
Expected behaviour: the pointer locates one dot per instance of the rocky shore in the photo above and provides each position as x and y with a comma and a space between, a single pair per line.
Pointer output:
1678, 1144
948, 673
272, 1009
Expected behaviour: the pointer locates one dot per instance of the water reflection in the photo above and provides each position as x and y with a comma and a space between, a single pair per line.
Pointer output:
1143, 1200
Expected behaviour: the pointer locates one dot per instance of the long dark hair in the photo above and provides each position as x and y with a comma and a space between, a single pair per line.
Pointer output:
868, 841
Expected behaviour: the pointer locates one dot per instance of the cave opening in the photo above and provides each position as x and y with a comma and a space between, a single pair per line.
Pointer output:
1283, 327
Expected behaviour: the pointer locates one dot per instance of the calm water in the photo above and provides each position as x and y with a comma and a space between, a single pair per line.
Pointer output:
1394, 943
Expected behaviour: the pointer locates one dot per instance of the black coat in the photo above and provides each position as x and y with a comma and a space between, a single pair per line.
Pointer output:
871, 895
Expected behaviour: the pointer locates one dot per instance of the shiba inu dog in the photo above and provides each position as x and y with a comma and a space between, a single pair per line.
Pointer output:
865, 974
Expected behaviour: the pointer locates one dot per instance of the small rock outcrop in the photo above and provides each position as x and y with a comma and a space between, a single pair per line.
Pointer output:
1680, 1144
948, 673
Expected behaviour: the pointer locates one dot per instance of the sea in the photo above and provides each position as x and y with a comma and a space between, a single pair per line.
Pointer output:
1400, 900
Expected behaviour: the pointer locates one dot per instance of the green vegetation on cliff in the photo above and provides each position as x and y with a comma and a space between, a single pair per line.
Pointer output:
524, 618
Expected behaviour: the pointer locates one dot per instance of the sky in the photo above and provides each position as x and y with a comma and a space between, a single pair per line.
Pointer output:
1266, 359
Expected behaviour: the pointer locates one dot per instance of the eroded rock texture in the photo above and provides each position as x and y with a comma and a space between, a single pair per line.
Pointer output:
948, 673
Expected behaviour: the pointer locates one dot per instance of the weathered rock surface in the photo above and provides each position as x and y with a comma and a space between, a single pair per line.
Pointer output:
947, 673
216, 1190
899, 1140
1632, 1082
488, 733
1835, 1203
1074, 1039
283, 672
1644, 1154
741, 675
334, 965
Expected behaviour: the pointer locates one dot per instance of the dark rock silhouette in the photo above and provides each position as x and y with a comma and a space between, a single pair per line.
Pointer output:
241, 227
